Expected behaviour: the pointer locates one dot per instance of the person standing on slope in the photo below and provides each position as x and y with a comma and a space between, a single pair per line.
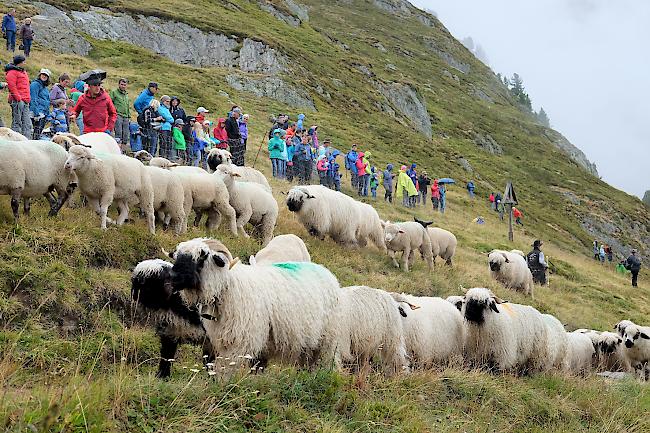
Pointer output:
633, 264
98, 111
536, 263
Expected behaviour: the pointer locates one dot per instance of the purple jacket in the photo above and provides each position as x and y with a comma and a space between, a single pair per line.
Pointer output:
57, 93
243, 130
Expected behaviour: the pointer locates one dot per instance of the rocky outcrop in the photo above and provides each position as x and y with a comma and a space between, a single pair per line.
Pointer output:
407, 102
397, 7
646, 198
446, 56
573, 152
271, 87
62, 32
487, 143
281, 15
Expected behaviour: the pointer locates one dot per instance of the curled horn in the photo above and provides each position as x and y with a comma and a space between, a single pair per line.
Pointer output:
499, 300
163, 251
422, 223
233, 263
401, 298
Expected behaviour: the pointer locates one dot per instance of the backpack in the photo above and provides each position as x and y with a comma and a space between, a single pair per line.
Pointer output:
141, 120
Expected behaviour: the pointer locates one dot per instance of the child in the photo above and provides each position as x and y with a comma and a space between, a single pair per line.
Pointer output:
58, 117
290, 164
322, 166
276, 148
180, 147
136, 137
200, 143
374, 182
333, 173
435, 195
299, 123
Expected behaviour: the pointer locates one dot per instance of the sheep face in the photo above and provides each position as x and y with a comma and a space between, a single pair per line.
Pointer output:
192, 257
143, 155
608, 342
218, 157
78, 157
296, 198
632, 335
456, 301
151, 284
478, 304
620, 326
391, 232
497, 260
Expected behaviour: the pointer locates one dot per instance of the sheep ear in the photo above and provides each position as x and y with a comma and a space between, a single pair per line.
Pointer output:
645, 336
173, 164
383, 223
310, 196
493, 307
235, 174
506, 257
619, 341
499, 300
218, 260
459, 305
400, 231
401, 311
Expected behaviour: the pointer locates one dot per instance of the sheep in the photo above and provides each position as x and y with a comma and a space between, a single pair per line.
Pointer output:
511, 270
205, 192
443, 244
144, 156
504, 336
252, 203
369, 227
407, 237
369, 322
99, 142
176, 323
557, 343
521, 253
620, 326
325, 212
580, 353
637, 349
221, 157
33, 168
456, 301
282, 310
168, 198
11, 135
109, 178
611, 353
434, 331
282, 248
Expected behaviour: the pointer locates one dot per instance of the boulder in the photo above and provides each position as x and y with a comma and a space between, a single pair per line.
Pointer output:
406, 101
271, 87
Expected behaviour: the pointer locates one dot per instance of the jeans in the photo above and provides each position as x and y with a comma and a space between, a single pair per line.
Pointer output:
635, 275
363, 181
195, 155
405, 197
443, 203
388, 196
27, 46
324, 179
336, 182
38, 125
373, 192
290, 170
305, 171
121, 132
80, 124
354, 180
276, 164
20, 120
11, 40
471, 193
423, 198
165, 139
152, 138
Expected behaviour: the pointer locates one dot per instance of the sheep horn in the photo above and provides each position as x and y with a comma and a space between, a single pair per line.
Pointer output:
233, 263
165, 253
499, 300
413, 307
422, 223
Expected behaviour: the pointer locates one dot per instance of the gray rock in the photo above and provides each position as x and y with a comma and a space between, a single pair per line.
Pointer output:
280, 15
646, 198
55, 30
480, 94
451, 76
446, 57
405, 100
224, 94
338, 83
364, 69
572, 151
299, 10
424, 19
465, 164
487, 143
325, 94
380, 47
271, 87
391, 67
397, 7
254, 56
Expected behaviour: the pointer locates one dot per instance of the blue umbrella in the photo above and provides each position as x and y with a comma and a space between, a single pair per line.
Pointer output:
445, 180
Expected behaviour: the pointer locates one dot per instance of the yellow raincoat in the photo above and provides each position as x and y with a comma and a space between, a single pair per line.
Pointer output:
405, 182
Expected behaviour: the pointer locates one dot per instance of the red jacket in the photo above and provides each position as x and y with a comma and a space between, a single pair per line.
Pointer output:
18, 84
99, 113
516, 213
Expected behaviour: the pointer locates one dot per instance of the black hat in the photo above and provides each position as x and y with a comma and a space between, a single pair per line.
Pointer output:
179, 122
537, 243
18, 59
153, 84
93, 77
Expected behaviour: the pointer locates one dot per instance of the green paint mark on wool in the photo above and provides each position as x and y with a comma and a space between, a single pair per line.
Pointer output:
294, 267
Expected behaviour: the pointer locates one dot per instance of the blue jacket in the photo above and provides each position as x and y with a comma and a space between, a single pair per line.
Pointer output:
40, 98
302, 152
143, 100
167, 117
301, 118
8, 23
351, 161
58, 120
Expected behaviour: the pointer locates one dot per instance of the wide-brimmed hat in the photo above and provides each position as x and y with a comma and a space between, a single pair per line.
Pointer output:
537, 243
45, 71
202, 110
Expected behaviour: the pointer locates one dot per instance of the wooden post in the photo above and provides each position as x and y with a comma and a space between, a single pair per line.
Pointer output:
511, 236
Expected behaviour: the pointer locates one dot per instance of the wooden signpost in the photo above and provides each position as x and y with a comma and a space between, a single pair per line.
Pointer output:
510, 200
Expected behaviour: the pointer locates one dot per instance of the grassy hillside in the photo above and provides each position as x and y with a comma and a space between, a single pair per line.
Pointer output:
74, 358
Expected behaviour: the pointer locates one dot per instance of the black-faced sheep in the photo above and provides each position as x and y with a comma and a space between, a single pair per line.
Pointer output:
511, 270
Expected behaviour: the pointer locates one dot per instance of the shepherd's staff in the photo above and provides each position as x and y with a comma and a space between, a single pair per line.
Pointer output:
258, 151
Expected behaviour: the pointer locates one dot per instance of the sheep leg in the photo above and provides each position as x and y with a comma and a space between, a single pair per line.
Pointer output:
242, 219
405, 258
391, 254
213, 221
64, 195
101, 208
448, 261
15, 201
123, 212
228, 212
26, 206
168, 347
197, 218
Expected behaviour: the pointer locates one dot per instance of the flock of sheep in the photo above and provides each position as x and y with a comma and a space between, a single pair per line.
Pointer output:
281, 305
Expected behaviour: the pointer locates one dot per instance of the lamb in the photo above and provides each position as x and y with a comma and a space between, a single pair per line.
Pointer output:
369, 323
176, 323
504, 336
282, 248
511, 270
144, 156
456, 301
252, 203
434, 331
443, 244
557, 343
637, 349
620, 326
221, 157
325, 212
33, 168
580, 353
108, 178
99, 142
11, 135
369, 227
611, 353
168, 198
282, 310
407, 237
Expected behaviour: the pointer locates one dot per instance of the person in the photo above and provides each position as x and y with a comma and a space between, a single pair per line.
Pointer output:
351, 165
324, 150
243, 129
219, 133
19, 95
633, 264
610, 253
500, 207
435, 195
423, 185
374, 182
470, 189
497, 201
601, 253
405, 187
313, 134
596, 250
443, 197
176, 110
143, 101
492, 200
237, 147
98, 110
120, 98
303, 157
150, 126
199, 143
537, 263
322, 167
76, 92
59, 117
388, 183
187, 133
362, 173
135, 136
180, 146
39, 105
211, 141
58, 90
200, 115
517, 214
26, 35
413, 174
165, 134
333, 173
620, 267
9, 30
299, 123
291, 147
275, 146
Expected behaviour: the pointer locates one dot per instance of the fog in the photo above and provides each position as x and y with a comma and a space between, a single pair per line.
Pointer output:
585, 61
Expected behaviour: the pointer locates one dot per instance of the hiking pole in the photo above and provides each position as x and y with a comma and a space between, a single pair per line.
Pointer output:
259, 149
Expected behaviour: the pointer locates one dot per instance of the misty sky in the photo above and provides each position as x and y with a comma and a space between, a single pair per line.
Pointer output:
586, 62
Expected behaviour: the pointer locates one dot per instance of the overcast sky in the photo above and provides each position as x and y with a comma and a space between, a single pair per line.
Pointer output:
586, 62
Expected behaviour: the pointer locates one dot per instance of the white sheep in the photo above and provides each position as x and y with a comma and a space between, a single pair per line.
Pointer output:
443, 244
505, 336
282, 248
282, 310
99, 142
511, 270
168, 198
33, 168
252, 203
205, 192
108, 178
370, 228
407, 237
323, 212
557, 343
221, 157
434, 331
11, 135
611, 352
368, 323
620, 326
456, 301
580, 353
175, 322
637, 349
